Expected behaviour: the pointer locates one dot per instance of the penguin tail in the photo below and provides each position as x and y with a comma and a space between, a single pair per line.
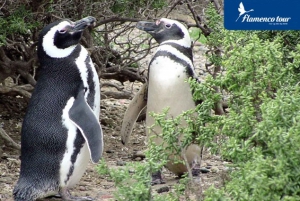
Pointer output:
23, 193
28, 191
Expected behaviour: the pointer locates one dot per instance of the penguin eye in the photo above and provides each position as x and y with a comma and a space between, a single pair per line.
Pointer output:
168, 26
62, 31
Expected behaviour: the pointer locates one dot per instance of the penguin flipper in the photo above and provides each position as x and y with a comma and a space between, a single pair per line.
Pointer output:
85, 120
135, 107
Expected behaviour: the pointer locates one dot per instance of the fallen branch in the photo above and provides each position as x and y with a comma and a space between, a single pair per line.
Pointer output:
108, 84
22, 90
8, 139
116, 95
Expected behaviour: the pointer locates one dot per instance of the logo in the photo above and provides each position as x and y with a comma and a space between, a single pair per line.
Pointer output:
261, 15
242, 10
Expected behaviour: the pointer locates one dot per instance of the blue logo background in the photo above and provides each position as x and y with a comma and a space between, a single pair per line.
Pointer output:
273, 14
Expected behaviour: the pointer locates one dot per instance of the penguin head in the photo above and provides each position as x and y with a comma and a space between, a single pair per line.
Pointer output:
59, 39
166, 30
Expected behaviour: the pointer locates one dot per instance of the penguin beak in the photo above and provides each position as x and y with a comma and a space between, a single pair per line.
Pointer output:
149, 27
80, 25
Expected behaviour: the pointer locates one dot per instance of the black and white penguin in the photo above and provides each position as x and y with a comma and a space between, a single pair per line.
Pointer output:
61, 129
169, 69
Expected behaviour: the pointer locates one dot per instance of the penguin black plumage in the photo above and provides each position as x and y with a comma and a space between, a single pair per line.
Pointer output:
61, 129
169, 69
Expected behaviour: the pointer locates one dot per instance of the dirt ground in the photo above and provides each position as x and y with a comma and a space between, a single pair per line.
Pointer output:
92, 184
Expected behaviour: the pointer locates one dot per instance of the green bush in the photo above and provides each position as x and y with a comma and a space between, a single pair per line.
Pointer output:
272, 171
261, 127
132, 181
19, 22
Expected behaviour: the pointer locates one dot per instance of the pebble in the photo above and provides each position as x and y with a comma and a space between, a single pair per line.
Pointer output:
163, 189
214, 169
82, 188
138, 159
139, 154
121, 163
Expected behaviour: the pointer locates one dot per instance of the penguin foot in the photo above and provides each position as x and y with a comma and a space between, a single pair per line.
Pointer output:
157, 178
66, 196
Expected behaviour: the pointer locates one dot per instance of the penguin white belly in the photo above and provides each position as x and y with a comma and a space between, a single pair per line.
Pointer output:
69, 177
168, 87
79, 166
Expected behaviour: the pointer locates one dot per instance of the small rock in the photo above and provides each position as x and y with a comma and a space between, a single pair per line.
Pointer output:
121, 163
138, 159
82, 188
214, 169
138, 154
163, 189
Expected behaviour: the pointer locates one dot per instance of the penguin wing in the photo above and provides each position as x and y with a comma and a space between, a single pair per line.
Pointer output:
135, 107
85, 120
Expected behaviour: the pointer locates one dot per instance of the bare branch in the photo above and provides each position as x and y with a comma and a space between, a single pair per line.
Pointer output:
116, 95
17, 90
197, 18
8, 139
117, 19
108, 84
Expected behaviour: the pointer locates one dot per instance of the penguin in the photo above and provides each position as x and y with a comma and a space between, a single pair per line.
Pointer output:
169, 69
60, 130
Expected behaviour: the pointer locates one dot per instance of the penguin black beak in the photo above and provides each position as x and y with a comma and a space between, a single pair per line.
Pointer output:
147, 26
80, 25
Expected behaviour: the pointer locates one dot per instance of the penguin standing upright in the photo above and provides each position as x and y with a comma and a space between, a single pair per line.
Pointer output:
169, 69
61, 129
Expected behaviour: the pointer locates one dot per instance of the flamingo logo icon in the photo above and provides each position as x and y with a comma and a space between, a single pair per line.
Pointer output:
242, 10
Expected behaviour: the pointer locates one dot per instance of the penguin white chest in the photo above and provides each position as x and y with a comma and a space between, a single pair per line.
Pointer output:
168, 87
167, 72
